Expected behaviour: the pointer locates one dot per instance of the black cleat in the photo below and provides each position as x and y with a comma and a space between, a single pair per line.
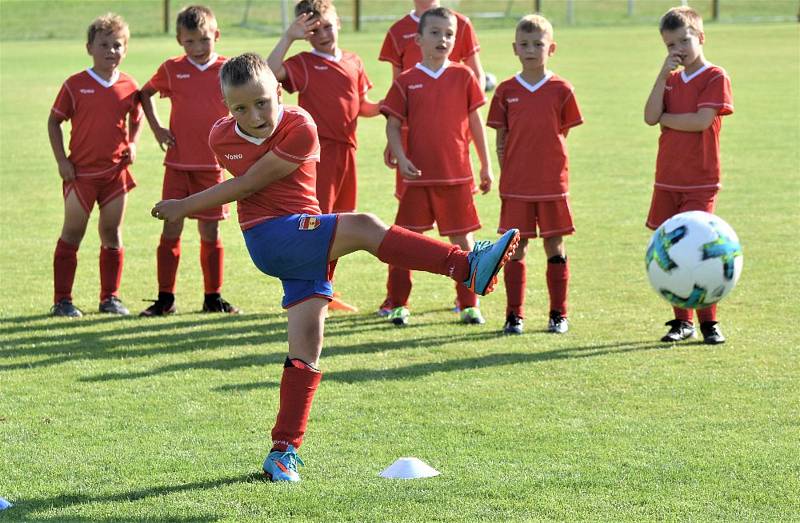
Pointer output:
66, 309
513, 324
679, 330
215, 303
557, 324
712, 335
163, 306
113, 305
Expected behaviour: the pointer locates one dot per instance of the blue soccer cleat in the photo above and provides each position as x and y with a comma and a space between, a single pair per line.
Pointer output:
282, 466
486, 260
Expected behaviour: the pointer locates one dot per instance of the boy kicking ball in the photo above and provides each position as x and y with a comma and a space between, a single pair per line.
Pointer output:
271, 150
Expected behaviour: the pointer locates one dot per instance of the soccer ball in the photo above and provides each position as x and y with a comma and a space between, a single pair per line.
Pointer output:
694, 260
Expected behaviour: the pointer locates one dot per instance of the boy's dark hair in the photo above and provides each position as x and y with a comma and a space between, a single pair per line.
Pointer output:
683, 16
193, 17
108, 23
441, 12
316, 8
242, 70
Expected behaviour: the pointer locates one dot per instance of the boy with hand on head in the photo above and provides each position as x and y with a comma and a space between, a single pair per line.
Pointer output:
688, 101
332, 87
103, 105
438, 101
191, 82
533, 113
272, 151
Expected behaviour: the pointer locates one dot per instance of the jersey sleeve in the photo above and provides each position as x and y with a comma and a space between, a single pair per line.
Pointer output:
497, 118
570, 112
300, 144
469, 40
64, 106
296, 74
161, 82
395, 102
389, 51
717, 95
475, 95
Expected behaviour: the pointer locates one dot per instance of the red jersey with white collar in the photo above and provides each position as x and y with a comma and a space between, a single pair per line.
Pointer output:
294, 140
690, 161
196, 99
99, 113
536, 118
400, 49
330, 89
436, 107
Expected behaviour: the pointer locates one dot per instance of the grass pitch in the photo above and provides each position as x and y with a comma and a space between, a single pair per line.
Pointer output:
106, 419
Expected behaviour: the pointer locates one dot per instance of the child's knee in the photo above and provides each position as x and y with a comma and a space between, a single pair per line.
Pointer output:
111, 236
522, 250
209, 230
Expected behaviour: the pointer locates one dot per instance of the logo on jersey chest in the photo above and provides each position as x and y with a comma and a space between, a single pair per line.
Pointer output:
182, 76
412, 87
308, 223
408, 36
668, 87
321, 67
87, 91
512, 100
234, 156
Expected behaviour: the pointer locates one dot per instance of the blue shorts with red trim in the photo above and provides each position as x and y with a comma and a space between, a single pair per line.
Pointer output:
295, 248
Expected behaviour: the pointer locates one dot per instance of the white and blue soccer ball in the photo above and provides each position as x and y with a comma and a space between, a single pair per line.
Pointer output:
694, 260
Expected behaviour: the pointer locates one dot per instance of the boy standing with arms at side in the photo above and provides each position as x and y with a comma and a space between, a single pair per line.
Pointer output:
689, 104
532, 113
191, 82
332, 87
103, 106
438, 100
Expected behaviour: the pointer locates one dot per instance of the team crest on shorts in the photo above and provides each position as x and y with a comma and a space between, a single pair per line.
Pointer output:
308, 223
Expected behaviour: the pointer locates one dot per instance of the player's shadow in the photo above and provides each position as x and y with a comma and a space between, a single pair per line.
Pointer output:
27, 509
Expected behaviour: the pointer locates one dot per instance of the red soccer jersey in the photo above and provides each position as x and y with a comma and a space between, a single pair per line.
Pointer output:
536, 118
689, 161
436, 107
400, 49
196, 99
294, 140
99, 111
330, 89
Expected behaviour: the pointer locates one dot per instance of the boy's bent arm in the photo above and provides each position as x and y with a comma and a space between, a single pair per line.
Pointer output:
482, 148
65, 168
163, 135
302, 27
689, 122
655, 102
368, 108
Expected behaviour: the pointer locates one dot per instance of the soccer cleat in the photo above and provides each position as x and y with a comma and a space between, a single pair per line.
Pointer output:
385, 309
712, 335
557, 324
486, 259
399, 316
113, 305
679, 330
66, 309
472, 316
282, 465
336, 304
215, 303
163, 306
513, 324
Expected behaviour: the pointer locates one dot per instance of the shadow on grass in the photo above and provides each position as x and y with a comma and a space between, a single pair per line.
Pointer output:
26, 509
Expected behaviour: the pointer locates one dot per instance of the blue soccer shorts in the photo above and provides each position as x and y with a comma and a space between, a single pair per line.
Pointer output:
295, 248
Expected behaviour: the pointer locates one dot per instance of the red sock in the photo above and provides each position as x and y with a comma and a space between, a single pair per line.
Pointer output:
707, 314
683, 314
111, 261
65, 261
515, 279
414, 251
212, 257
557, 283
168, 255
398, 286
466, 298
298, 385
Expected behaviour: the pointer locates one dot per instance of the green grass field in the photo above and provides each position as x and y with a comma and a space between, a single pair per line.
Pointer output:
106, 419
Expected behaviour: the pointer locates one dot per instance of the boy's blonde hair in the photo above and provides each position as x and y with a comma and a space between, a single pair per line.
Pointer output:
440, 12
316, 8
683, 16
535, 23
108, 23
242, 70
193, 17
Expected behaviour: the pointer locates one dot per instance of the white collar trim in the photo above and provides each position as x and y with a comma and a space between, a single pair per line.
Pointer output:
532, 88
433, 74
211, 61
259, 141
688, 78
413, 16
332, 57
99, 79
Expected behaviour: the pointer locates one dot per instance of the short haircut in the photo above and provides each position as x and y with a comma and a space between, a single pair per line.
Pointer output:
193, 17
535, 23
108, 23
316, 8
683, 16
243, 69
440, 12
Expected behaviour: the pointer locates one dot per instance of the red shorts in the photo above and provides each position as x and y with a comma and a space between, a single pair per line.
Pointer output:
101, 189
180, 184
336, 177
666, 204
451, 207
551, 218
